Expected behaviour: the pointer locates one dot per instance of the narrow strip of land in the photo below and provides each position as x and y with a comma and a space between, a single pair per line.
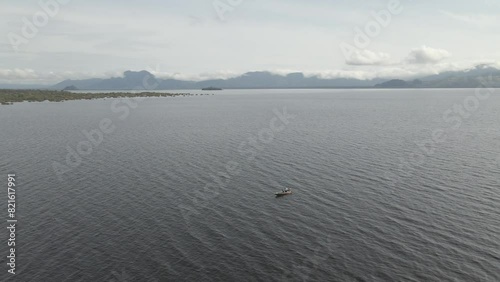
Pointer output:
9, 96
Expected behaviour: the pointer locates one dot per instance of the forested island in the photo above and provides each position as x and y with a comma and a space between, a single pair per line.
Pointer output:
211, 88
9, 96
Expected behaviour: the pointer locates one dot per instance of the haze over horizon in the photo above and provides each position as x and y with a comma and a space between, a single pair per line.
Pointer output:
197, 40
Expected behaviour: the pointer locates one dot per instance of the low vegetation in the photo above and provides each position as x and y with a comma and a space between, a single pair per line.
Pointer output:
9, 96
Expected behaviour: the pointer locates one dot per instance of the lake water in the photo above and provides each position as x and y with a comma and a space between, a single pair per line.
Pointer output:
389, 185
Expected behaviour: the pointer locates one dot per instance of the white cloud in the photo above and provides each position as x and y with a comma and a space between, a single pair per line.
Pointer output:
367, 57
427, 55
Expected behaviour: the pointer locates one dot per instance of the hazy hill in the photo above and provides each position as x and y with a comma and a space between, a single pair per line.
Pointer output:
134, 80
471, 78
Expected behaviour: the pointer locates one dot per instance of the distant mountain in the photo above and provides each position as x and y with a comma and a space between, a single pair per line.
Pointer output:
262, 79
472, 78
80, 84
135, 80
130, 80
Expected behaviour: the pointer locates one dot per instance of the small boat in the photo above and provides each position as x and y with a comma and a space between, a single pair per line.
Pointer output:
284, 192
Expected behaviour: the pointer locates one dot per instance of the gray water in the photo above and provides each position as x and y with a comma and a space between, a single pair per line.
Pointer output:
183, 188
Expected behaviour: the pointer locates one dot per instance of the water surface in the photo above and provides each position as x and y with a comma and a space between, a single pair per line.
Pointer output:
369, 204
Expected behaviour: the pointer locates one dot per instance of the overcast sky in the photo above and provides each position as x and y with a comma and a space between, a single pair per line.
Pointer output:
198, 39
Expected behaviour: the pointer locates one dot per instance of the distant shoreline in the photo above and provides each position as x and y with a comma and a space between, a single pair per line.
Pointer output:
10, 96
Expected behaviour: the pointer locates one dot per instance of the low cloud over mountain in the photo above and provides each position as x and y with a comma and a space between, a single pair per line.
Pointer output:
480, 76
